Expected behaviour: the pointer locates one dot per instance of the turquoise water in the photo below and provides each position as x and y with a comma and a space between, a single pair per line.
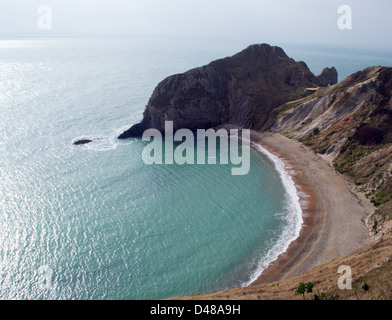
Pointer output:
94, 221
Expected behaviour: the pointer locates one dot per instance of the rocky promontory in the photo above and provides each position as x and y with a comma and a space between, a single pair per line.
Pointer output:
241, 90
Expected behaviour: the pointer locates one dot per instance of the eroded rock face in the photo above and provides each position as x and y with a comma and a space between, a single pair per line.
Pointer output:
351, 124
358, 107
241, 90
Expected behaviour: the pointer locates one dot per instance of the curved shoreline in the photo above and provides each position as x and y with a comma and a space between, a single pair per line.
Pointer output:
294, 213
333, 215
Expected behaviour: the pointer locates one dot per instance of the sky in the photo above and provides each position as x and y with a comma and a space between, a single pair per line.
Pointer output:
270, 21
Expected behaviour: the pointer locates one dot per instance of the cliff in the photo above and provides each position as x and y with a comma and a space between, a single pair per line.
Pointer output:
350, 124
241, 90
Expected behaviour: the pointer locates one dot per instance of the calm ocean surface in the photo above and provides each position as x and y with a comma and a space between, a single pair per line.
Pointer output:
94, 221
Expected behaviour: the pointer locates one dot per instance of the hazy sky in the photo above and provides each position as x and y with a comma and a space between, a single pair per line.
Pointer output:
271, 21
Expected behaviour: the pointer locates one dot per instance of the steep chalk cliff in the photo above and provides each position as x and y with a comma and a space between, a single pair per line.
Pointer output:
241, 90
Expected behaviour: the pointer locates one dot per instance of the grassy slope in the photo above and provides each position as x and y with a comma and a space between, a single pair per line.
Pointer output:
371, 265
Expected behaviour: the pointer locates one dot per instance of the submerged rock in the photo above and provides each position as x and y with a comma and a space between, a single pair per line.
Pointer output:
82, 141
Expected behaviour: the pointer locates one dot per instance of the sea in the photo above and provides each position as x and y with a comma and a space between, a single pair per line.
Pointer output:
94, 222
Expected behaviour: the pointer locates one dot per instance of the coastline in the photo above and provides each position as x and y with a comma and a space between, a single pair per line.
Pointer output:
333, 227
295, 202
333, 214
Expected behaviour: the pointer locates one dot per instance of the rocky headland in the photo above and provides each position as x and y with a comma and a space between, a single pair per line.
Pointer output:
241, 90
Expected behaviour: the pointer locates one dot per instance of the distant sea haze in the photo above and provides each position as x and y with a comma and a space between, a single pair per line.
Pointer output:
94, 221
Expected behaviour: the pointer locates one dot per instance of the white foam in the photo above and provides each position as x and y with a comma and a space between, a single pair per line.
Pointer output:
104, 143
292, 215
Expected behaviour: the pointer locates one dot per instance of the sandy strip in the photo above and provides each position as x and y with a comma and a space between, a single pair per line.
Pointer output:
333, 213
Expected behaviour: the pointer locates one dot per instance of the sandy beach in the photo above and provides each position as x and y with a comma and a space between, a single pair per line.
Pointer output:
333, 213
333, 233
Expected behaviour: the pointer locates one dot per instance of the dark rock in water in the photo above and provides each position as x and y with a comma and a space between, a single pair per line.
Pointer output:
135, 131
82, 141
241, 90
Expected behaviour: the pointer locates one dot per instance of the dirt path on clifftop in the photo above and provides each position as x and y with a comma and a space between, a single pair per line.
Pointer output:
333, 213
